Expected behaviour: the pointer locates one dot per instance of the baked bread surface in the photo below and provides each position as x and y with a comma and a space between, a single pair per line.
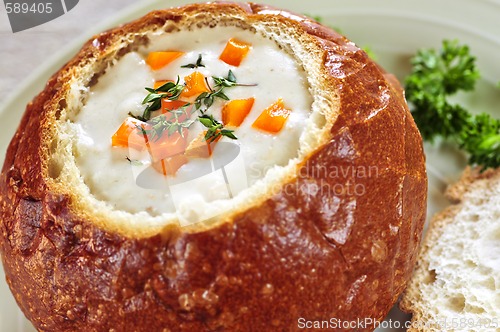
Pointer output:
288, 255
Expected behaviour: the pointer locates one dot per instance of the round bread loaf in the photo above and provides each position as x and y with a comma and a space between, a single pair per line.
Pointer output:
331, 234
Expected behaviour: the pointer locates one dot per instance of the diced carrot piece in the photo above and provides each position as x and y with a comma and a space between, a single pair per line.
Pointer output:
234, 52
195, 85
170, 166
129, 135
200, 148
160, 83
158, 60
273, 118
170, 105
235, 111
167, 145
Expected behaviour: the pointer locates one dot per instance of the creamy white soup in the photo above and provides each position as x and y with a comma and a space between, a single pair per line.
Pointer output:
125, 177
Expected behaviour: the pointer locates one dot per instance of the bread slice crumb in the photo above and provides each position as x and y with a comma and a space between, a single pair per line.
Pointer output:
456, 284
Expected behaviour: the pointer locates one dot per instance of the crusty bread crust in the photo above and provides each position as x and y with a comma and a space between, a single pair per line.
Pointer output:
294, 254
423, 317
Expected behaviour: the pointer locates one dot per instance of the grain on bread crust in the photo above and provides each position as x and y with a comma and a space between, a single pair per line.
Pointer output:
294, 254
456, 283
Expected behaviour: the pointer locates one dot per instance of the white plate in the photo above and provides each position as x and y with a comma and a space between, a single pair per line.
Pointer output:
394, 29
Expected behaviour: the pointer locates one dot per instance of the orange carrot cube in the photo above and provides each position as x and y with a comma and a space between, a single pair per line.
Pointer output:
167, 145
170, 105
160, 83
234, 52
235, 111
158, 60
129, 135
200, 148
273, 118
195, 85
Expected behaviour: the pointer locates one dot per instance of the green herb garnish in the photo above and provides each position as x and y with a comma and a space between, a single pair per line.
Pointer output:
221, 83
316, 18
226, 82
434, 78
207, 98
169, 90
481, 139
198, 63
168, 122
369, 51
214, 128
134, 162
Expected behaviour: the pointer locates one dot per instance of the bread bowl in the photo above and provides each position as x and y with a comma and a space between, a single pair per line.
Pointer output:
281, 253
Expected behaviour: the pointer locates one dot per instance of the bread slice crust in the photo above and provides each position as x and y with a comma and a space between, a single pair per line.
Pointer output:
291, 254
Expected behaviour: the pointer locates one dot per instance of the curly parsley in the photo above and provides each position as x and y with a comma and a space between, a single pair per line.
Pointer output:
437, 75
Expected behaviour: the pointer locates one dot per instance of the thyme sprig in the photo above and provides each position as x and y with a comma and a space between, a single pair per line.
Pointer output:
215, 129
207, 98
171, 122
221, 83
134, 162
198, 63
169, 90
168, 123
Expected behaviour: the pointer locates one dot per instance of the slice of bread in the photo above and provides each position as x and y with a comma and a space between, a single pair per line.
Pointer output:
456, 285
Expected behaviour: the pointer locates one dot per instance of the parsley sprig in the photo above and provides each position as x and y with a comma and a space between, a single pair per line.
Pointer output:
437, 75
481, 139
